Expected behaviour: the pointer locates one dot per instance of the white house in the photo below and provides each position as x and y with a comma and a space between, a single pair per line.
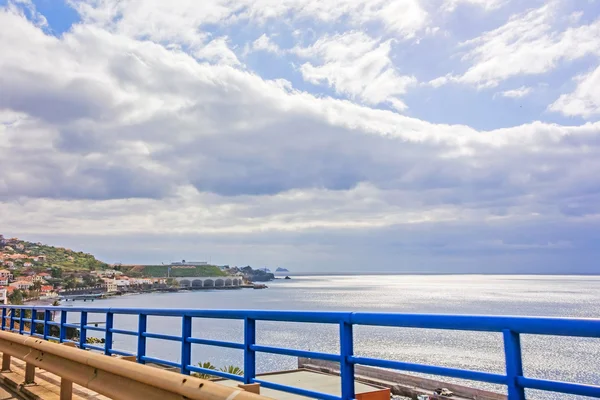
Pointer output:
111, 286
6, 274
140, 281
22, 285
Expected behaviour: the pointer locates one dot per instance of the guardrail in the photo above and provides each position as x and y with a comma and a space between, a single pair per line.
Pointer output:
510, 327
117, 379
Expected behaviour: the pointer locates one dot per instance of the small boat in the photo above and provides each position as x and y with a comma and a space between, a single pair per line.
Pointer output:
287, 277
260, 286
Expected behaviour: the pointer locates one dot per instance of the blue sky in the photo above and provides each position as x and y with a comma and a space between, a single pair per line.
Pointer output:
392, 135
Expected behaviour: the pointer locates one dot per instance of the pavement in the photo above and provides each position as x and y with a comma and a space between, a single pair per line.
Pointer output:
6, 395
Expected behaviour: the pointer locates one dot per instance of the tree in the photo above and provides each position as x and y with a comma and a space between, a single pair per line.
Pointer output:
37, 285
56, 272
16, 297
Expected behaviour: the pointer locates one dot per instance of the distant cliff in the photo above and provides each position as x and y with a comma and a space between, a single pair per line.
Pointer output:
257, 275
282, 270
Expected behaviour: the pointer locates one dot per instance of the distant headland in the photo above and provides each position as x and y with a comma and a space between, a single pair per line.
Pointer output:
34, 271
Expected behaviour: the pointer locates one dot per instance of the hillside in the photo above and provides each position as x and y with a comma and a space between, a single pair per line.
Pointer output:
159, 271
38, 256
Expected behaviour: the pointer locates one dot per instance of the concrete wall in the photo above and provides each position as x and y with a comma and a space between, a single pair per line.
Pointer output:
209, 282
401, 384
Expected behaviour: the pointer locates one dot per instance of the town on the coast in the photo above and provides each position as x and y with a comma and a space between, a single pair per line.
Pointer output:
35, 272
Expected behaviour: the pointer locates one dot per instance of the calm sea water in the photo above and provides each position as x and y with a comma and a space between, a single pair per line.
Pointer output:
566, 359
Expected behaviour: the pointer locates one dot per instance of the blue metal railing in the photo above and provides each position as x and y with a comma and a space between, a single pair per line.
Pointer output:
510, 327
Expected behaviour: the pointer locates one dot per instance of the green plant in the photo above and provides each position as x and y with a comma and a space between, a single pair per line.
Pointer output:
234, 370
205, 365
94, 340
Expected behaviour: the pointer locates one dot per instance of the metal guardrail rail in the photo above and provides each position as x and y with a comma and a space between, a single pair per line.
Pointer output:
112, 377
510, 327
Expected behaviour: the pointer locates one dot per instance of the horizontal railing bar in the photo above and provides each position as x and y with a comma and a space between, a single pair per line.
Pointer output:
38, 335
578, 327
70, 341
53, 338
431, 369
120, 352
216, 343
94, 328
560, 387
91, 346
284, 316
70, 325
123, 332
53, 323
296, 353
39, 321
295, 390
215, 372
161, 336
161, 362
26, 319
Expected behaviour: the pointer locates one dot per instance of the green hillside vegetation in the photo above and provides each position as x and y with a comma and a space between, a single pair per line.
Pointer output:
159, 271
66, 259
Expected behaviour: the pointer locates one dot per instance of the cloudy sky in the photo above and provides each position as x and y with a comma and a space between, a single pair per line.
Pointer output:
382, 135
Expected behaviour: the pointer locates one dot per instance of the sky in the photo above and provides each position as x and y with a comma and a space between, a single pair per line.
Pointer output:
355, 135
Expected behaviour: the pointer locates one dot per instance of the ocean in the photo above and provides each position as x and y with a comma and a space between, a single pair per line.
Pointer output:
568, 359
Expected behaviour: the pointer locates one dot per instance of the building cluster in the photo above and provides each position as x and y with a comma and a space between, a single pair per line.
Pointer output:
116, 281
28, 282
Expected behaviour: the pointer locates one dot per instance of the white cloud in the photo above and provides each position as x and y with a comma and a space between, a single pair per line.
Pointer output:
217, 51
516, 93
357, 66
180, 20
584, 101
17, 6
104, 133
264, 43
529, 43
451, 5
440, 81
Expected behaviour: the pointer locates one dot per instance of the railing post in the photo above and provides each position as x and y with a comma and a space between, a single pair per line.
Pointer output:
108, 336
11, 323
5, 362
82, 331
63, 329
32, 325
249, 354
3, 318
47, 318
29, 373
66, 389
514, 364
346, 367
141, 344
21, 315
186, 346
